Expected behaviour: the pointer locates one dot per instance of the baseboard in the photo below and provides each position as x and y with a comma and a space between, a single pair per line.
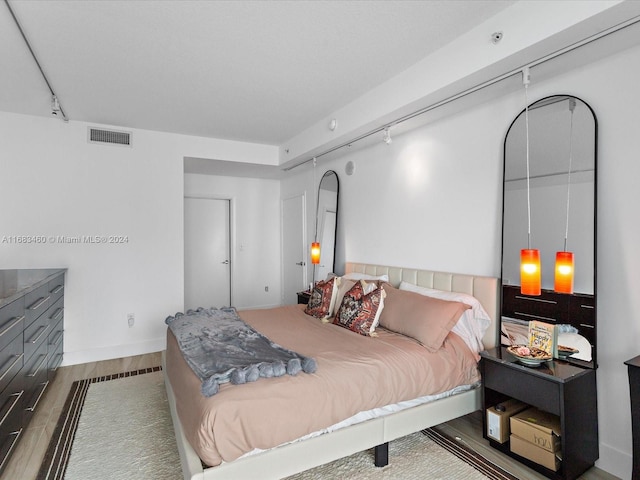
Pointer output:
114, 351
615, 462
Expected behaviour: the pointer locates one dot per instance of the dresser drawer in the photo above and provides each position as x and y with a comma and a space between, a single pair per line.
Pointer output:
36, 302
11, 418
11, 361
55, 359
55, 312
56, 288
11, 322
35, 381
11, 407
35, 335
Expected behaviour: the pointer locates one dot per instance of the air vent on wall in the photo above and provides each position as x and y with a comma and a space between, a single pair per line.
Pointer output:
112, 137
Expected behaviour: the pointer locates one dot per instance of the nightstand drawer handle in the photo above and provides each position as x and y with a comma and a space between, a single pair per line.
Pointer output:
57, 315
57, 289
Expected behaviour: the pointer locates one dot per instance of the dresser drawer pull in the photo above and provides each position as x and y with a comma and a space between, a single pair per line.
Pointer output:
13, 444
38, 334
587, 326
16, 321
57, 289
540, 300
44, 359
587, 306
33, 407
57, 315
15, 361
535, 316
13, 405
57, 338
57, 363
38, 303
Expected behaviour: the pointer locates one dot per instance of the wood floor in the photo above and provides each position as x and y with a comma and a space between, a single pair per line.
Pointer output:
26, 460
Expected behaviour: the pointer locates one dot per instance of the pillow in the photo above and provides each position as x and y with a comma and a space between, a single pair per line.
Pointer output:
322, 299
472, 324
429, 320
360, 311
365, 276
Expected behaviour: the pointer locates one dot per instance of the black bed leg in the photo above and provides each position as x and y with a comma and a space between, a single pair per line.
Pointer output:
382, 455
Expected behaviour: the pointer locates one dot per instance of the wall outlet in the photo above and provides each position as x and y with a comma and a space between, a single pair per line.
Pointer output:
131, 319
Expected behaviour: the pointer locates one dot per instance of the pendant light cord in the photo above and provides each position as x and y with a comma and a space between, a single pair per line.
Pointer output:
572, 106
525, 81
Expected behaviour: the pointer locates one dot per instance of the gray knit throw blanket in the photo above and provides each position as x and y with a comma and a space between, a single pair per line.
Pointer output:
220, 347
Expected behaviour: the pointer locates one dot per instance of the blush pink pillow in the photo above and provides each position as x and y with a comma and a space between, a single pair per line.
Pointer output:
429, 320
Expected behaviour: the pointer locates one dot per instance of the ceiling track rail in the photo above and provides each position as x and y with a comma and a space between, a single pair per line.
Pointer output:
471, 90
46, 80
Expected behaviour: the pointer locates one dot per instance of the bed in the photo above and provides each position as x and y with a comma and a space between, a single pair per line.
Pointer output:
318, 443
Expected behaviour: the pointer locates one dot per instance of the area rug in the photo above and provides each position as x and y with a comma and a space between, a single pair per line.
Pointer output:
119, 427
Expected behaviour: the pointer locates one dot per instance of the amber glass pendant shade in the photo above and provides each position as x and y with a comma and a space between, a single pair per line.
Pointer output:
530, 272
564, 272
315, 253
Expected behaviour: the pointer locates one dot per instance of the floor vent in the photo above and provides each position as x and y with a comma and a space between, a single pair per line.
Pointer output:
112, 137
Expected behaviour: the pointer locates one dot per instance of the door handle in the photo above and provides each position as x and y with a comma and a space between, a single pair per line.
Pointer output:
302, 264
226, 262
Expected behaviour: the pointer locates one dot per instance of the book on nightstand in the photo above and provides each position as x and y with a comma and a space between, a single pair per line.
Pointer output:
544, 336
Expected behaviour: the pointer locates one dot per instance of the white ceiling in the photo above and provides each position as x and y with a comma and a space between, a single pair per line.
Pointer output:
255, 71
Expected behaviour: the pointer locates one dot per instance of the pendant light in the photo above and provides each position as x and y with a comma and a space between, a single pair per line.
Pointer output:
529, 257
315, 245
565, 260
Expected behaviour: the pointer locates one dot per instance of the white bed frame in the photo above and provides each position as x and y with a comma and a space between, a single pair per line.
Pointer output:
299, 456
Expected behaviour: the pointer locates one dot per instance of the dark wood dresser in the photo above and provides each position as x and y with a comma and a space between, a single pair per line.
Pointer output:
31, 346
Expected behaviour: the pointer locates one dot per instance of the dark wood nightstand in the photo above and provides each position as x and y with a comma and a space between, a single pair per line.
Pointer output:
557, 387
303, 297
633, 367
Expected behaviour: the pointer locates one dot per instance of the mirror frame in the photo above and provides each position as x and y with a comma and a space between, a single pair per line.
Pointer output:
317, 224
591, 302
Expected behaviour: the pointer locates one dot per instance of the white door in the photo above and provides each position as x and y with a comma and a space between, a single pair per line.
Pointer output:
294, 254
327, 245
207, 262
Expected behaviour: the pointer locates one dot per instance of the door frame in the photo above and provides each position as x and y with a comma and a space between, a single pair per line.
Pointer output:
232, 234
306, 259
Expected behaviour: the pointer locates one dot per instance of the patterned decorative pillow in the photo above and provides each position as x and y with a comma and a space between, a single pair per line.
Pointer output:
322, 298
361, 308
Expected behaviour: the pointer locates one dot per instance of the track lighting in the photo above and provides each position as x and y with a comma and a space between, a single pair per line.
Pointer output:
55, 105
387, 136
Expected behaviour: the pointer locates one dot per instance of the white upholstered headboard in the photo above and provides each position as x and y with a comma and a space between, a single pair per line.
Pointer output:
485, 289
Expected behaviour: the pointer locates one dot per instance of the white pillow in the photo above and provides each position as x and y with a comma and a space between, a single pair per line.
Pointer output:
473, 323
365, 276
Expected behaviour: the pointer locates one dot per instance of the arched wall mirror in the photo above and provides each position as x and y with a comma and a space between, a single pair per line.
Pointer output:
560, 193
326, 223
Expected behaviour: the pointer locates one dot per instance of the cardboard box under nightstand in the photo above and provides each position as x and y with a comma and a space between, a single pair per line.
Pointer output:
498, 421
537, 427
534, 453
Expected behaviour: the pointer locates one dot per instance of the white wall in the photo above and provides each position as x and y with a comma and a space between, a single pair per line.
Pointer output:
54, 183
433, 198
255, 234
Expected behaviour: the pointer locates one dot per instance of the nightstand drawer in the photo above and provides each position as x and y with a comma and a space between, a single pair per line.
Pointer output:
530, 389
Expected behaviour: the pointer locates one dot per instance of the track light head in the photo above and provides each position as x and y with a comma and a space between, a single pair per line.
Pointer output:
55, 106
387, 136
